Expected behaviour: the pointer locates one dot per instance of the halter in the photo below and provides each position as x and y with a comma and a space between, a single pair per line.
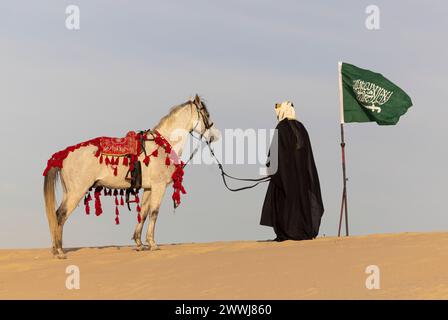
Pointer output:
205, 120
207, 124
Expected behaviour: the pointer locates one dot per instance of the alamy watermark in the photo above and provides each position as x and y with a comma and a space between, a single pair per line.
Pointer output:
235, 147
372, 21
373, 280
72, 17
73, 280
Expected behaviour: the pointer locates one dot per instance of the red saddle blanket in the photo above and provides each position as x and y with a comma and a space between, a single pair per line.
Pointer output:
128, 145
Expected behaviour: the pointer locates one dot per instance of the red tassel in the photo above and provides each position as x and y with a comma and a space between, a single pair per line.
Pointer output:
168, 148
177, 177
167, 161
115, 171
121, 201
116, 201
176, 197
137, 199
107, 161
98, 209
112, 161
125, 161
146, 160
139, 218
101, 159
117, 161
98, 152
155, 153
117, 213
139, 209
87, 208
158, 140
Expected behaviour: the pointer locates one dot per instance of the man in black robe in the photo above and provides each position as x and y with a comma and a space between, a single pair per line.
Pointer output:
293, 203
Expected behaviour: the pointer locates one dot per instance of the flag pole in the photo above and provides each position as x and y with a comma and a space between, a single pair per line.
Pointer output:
344, 208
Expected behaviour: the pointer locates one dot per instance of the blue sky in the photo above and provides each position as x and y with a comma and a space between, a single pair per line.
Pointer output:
131, 61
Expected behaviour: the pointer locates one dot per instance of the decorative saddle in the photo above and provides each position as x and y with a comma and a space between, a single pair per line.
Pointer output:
129, 145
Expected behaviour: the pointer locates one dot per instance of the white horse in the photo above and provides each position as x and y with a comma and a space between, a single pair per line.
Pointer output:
81, 170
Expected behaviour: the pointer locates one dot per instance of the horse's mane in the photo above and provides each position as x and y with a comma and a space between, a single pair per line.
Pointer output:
172, 111
175, 109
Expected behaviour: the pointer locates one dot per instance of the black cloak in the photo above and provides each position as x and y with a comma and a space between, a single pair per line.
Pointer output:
293, 203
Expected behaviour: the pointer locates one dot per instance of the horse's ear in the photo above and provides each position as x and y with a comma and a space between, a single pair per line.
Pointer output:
197, 99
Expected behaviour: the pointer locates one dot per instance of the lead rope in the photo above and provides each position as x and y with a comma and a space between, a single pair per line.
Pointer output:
224, 174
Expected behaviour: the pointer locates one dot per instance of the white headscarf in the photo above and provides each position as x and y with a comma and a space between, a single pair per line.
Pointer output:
285, 110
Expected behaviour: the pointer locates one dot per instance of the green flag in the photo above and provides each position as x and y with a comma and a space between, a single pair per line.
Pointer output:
366, 96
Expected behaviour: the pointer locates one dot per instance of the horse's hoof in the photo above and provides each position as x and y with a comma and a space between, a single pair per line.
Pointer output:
60, 256
154, 248
140, 248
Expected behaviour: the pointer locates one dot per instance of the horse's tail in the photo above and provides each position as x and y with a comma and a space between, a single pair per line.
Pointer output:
50, 200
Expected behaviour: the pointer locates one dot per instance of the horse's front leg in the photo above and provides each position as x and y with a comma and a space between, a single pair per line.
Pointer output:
155, 201
145, 208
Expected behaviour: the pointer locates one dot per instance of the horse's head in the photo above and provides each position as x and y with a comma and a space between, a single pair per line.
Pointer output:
203, 124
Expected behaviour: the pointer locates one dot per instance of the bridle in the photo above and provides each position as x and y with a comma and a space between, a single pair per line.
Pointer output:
200, 108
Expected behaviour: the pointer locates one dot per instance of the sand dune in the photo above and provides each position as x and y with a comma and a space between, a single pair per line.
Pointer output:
412, 266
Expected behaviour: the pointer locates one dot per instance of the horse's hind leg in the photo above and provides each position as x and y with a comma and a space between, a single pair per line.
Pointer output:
68, 204
143, 214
